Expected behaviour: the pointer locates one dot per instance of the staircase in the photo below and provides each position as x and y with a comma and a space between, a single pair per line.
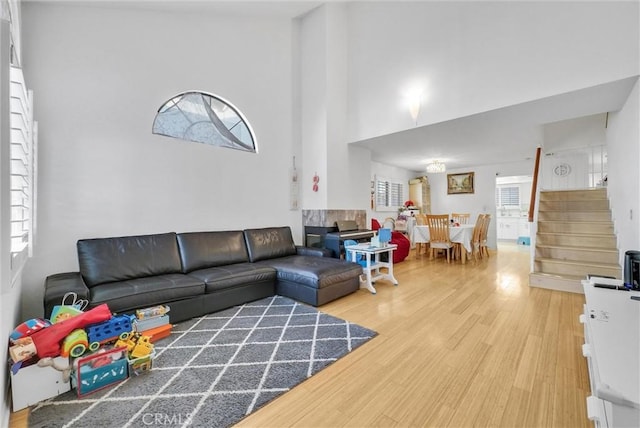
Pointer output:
574, 238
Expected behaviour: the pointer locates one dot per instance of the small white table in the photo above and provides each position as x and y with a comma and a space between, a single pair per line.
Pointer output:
373, 263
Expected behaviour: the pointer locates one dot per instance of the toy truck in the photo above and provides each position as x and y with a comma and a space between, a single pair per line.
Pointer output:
118, 327
94, 335
75, 344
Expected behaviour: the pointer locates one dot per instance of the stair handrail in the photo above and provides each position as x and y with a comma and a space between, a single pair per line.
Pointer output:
534, 185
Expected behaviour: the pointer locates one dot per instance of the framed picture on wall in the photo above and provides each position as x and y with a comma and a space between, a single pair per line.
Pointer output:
460, 183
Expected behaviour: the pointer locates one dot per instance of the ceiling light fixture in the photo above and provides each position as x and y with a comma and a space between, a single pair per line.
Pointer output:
414, 102
436, 167
414, 109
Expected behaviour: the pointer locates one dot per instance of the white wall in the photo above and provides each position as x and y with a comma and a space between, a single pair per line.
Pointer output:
313, 92
623, 148
462, 54
343, 170
99, 76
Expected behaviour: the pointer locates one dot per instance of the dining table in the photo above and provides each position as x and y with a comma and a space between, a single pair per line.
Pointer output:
461, 234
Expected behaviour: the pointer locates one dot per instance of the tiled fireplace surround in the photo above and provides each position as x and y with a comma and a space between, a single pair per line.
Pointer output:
328, 218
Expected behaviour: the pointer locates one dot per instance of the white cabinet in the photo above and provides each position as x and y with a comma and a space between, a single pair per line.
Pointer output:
612, 348
511, 228
523, 227
507, 228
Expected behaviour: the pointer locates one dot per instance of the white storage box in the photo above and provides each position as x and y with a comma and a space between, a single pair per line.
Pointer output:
33, 384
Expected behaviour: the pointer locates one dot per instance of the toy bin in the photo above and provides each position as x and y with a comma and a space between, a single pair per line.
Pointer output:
141, 365
99, 370
31, 384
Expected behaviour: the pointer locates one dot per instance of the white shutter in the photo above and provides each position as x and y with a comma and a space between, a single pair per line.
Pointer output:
389, 194
22, 155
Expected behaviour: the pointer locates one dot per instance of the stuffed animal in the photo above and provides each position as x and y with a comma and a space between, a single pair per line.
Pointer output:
51, 362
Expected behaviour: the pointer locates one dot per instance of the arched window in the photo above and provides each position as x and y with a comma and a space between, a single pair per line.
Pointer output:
205, 118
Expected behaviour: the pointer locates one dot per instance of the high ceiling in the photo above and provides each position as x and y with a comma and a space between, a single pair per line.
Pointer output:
506, 135
284, 9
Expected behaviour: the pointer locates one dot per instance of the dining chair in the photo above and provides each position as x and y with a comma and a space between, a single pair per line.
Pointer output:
439, 238
476, 237
483, 235
421, 220
460, 218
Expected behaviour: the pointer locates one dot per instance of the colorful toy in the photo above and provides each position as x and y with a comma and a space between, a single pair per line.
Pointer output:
154, 311
22, 350
99, 370
94, 335
143, 347
70, 307
28, 327
136, 345
118, 327
47, 340
75, 344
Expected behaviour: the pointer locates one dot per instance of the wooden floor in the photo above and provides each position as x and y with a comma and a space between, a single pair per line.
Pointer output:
458, 345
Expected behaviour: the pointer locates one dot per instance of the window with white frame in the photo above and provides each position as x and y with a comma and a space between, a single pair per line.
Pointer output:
18, 136
508, 196
389, 194
22, 168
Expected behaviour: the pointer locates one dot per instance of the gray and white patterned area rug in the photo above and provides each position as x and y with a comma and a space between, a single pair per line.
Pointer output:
215, 370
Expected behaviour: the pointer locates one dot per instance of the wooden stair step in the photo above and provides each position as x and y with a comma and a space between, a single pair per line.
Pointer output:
576, 195
576, 227
584, 222
597, 215
603, 211
578, 263
576, 267
568, 283
575, 237
579, 248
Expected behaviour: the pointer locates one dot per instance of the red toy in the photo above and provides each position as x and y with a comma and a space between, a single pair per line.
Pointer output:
397, 238
47, 340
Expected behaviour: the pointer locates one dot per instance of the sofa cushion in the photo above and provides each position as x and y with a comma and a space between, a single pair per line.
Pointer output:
142, 292
117, 259
199, 250
269, 243
316, 272
217, 278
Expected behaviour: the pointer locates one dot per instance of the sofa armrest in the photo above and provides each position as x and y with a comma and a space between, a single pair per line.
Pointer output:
57, 285
309, 251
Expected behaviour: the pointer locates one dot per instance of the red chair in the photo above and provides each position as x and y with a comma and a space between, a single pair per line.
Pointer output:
397, 238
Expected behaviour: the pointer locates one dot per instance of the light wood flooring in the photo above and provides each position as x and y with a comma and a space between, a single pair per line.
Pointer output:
458, 345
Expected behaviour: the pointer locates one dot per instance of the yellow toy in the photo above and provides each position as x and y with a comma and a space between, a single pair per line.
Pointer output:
143, 347
137, 345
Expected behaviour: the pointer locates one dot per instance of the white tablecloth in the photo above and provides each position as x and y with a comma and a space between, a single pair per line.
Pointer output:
461, 234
